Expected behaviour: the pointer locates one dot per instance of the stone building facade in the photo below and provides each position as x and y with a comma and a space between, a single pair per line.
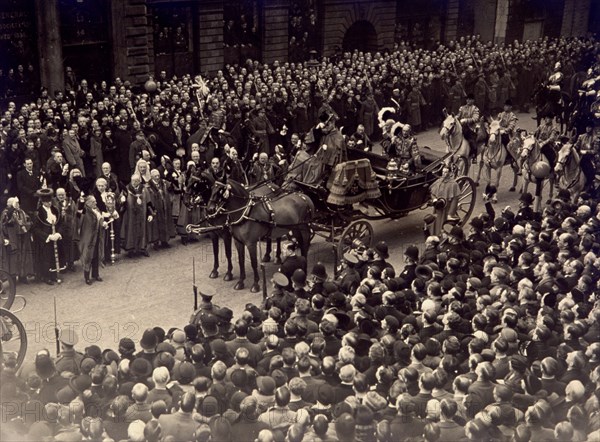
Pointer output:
134, 39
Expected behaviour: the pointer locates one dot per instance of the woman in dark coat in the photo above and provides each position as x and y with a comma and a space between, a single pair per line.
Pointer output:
91, 239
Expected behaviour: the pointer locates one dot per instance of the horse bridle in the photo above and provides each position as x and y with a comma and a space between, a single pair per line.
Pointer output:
563, 163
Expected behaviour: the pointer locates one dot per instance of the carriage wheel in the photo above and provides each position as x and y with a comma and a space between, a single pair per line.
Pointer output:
7, 290
13, 338
358, 230
466, 199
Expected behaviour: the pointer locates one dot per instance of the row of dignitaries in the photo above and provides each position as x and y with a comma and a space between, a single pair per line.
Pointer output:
489, 335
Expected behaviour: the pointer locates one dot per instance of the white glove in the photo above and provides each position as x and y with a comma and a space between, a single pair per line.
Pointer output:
58, 236
462, 121
324, 147
115, 215
123, 199
6, 242
320, 125
282, 163
360, 142
105, 224
150, 218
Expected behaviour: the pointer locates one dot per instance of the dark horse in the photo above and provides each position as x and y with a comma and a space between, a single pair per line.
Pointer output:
549, 103
200, 194
251, 218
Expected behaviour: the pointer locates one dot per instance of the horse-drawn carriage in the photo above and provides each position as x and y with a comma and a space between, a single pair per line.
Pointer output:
365, 188
396, 196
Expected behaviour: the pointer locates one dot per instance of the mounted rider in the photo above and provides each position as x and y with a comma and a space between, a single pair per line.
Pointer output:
468, 116
554, 90
508, 122
547, 132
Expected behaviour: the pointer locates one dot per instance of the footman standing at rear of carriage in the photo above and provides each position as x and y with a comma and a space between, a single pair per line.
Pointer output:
444, 194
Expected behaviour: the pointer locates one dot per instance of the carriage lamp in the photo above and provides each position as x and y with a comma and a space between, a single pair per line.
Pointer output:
393, 169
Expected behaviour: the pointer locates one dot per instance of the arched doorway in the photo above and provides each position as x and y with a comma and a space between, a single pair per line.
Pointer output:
362, 36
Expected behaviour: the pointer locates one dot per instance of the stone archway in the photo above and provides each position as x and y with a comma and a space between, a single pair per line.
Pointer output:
362, 36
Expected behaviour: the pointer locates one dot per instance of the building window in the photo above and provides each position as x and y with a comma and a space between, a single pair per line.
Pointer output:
171, 27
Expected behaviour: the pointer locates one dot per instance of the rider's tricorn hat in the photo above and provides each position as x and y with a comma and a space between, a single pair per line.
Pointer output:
470, 97
45, 194
508, 102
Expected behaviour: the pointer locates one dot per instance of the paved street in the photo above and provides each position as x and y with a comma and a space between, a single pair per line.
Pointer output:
145, 292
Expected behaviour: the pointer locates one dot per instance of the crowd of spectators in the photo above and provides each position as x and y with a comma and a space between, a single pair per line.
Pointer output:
176, 128
489, 335
303, 30
19, 81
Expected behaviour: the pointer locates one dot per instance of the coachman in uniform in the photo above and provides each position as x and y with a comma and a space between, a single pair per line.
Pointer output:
46, 223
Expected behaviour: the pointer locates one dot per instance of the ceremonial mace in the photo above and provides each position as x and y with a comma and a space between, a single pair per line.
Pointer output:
110, 205
56, 258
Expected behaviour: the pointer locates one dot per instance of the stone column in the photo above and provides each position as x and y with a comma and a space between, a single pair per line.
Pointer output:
52, 74
210, 36
275, 40
131, 41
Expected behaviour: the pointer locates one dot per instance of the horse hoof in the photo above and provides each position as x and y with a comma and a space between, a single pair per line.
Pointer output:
476, 183
255, 287
239, 286
512, 189
278, 260
266, 258
494, 200
228, 276
214, 274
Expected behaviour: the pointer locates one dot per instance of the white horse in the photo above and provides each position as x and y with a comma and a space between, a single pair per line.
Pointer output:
568, 170
452, 133
531, 153
495, 155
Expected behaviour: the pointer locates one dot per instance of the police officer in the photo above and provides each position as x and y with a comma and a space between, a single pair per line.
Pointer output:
206, 308
68, 359
348, 279
291, 260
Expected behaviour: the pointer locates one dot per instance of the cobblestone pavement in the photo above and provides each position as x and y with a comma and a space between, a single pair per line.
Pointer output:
157, 291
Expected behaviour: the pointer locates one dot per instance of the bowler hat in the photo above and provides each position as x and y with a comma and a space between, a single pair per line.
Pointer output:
382, 249
526, 198
44, 366
149, 340
477, 223
299, 278
412, 252
80, 383
266, 385
140, 367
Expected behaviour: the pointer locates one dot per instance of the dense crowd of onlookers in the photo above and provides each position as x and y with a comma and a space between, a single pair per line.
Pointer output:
489, 335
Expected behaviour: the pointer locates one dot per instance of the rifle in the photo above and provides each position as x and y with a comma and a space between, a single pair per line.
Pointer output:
56, 333
195, 288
